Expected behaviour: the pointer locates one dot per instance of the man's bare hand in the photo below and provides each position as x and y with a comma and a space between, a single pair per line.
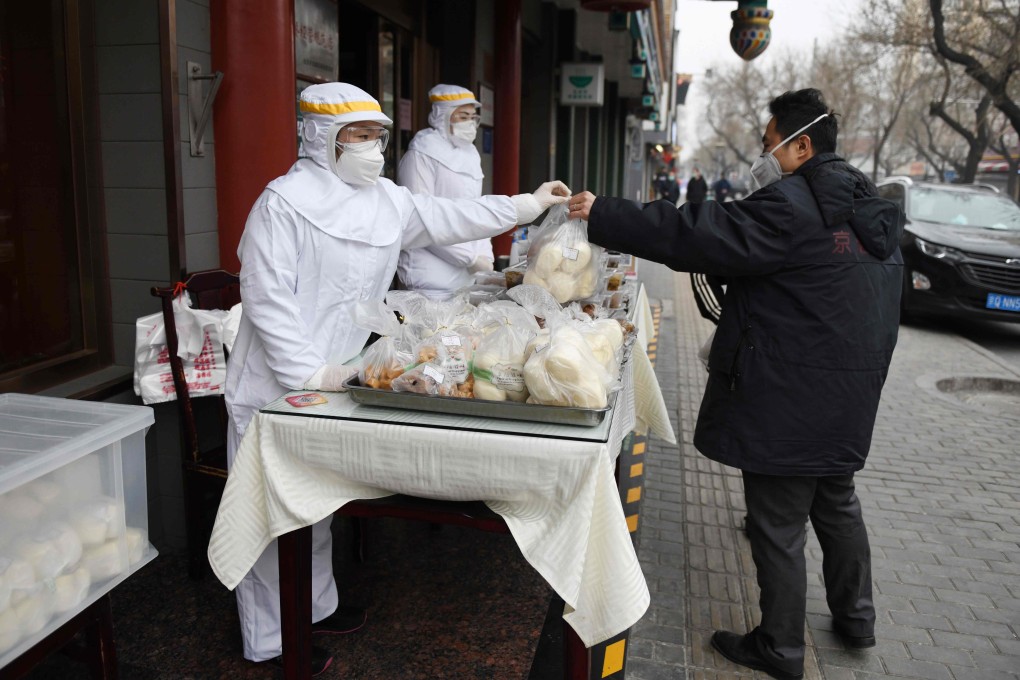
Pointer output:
580, 205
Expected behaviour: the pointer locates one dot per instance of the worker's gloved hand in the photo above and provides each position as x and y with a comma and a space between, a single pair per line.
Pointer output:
330, 378
481, 264
530, 206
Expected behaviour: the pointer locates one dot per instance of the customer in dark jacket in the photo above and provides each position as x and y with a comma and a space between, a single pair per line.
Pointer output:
800, 355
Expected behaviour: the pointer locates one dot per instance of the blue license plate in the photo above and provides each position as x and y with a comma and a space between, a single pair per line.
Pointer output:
1009, 303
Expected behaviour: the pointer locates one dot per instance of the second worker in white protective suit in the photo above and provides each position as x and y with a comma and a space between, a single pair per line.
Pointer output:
319, 240
442, 161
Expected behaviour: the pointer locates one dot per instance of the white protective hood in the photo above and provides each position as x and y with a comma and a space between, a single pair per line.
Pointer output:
436, 142
312, 187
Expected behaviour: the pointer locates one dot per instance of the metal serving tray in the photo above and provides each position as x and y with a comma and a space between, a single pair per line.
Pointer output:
480, 408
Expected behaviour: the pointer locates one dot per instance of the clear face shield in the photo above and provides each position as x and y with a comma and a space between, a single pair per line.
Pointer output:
360, 135
464, 117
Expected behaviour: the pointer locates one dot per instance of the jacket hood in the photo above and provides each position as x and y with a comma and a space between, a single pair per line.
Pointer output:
846, 196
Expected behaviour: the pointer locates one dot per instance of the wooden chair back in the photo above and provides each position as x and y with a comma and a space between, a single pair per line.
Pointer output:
211, 289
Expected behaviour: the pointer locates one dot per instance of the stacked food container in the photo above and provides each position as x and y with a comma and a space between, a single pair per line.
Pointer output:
73, 510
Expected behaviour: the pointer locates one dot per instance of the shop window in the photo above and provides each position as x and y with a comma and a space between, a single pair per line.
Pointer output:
51, 290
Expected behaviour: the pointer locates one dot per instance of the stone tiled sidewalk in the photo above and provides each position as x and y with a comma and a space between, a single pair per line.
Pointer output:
941, 496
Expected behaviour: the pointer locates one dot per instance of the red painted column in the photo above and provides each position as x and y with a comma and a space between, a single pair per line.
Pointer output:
507, 143
254, 113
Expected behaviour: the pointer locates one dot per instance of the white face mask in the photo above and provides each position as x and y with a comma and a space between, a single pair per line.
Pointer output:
465, 131
360, 163
766, 169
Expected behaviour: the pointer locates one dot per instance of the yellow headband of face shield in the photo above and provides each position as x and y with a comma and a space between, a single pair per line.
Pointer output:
451, 97
338, 109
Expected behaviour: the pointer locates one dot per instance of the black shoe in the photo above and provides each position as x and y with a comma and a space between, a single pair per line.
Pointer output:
740, 649
343, 620
853, 641
321, 660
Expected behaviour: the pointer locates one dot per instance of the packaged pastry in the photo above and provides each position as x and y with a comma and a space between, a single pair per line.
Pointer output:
106, 560
70, 589
384, 361
562, 260
19, 577
430, 378
33, 612
65, 539
563, 372
451, 352
137, 542
498, 366
46, 559
10, 629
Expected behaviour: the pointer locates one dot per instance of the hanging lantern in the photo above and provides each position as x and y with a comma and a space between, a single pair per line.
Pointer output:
750, 34
616, 5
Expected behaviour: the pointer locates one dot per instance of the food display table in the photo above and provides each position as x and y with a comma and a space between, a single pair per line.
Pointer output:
553, 485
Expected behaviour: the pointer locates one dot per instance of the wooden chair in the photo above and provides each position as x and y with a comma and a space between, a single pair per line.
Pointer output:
204, 452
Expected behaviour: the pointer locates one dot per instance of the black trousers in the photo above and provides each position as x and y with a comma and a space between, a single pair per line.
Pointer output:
778, 509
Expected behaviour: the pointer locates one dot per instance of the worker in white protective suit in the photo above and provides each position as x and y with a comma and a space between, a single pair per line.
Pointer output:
320, 239
442, 161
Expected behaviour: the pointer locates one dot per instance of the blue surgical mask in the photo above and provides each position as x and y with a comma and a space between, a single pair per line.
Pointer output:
766, 169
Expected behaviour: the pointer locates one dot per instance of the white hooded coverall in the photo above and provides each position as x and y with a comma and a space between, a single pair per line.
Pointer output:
440, 164
312, 248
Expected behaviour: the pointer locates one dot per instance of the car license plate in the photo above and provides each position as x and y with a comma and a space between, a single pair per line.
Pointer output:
1010, 303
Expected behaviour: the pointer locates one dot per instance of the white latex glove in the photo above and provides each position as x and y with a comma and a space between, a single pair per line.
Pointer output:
330, 378
481, 264
530, 206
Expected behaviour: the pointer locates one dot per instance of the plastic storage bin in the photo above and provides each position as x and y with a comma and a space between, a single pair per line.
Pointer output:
73, 514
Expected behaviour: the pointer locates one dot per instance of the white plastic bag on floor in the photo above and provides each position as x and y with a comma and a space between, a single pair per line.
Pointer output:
199, 345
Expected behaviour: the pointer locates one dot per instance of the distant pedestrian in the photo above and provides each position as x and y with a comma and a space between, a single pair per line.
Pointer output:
697, 187
661, 185
672, 189
722, 189
802, 349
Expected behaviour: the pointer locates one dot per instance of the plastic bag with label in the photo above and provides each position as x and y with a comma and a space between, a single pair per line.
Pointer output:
560, 370
562, 260
498, 366
452, 352
437, 377
391, 355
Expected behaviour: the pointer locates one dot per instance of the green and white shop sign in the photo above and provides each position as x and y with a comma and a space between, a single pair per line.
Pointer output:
582, 84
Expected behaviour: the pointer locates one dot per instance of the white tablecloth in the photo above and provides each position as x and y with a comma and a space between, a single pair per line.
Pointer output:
558, 496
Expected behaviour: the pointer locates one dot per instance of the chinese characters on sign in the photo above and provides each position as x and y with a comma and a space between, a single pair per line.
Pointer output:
582, 84
316, 40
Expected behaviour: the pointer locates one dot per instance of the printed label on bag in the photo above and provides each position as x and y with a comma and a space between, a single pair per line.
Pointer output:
435, 374
507, 377
457, 369
570, 253
302, 400
451, 340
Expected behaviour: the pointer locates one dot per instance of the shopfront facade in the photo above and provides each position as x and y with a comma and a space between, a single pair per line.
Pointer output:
126, 163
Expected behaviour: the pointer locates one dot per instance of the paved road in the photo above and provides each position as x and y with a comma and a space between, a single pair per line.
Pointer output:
941, 496
998, 337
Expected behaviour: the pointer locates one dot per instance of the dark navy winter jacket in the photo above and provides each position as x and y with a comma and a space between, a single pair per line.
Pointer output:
810, 317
